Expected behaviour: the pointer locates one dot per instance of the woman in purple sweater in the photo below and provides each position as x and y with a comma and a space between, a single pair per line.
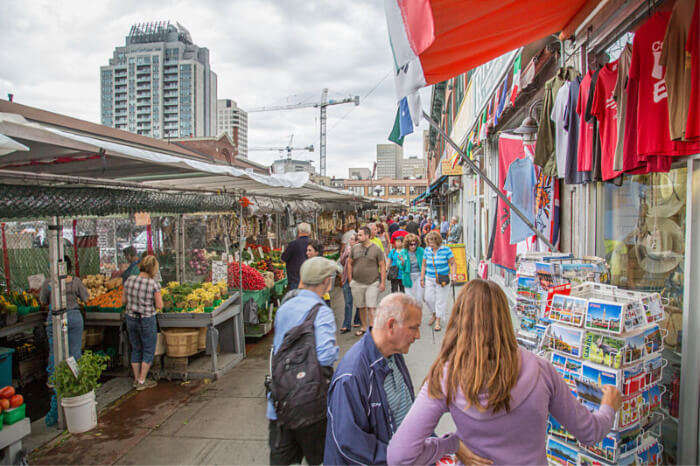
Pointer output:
499, 395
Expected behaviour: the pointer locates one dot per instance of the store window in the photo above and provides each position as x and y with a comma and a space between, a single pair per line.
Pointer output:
644, 244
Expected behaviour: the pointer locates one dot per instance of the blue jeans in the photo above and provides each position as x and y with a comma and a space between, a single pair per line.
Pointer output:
143, 335
75, 336
347, 294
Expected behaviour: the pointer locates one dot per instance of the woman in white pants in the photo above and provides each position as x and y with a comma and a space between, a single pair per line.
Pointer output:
438, 262
410, 264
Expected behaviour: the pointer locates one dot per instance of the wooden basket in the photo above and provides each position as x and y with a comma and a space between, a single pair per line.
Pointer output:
94, 336
202, 338
181, 342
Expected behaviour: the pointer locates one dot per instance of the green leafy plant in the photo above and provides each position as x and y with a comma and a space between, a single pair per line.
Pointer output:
90, 367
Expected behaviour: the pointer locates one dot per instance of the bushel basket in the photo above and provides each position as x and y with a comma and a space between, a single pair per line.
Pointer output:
181, 342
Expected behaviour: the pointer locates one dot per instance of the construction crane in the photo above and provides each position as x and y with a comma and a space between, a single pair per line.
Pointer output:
323, 104
288, 149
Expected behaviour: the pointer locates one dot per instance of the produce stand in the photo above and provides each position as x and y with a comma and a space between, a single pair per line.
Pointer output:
225, 339
11, 440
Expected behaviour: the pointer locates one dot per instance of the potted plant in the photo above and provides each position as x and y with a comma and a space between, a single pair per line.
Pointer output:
78, 393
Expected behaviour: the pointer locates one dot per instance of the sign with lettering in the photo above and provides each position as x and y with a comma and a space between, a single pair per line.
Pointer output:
219, 271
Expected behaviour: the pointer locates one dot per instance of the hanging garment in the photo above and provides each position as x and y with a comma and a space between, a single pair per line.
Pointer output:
678, 67
546, 139
620, 96
585, 130
560, 133
692, 46
520, 183
510, 147
571, 123
596, 172
604, 109
646, 70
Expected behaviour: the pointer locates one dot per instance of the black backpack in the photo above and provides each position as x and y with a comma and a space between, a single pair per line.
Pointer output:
299, 387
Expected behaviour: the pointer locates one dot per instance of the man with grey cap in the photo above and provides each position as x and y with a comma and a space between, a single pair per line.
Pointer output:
288, 446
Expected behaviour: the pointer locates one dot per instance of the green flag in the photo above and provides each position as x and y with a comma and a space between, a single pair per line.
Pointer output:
395, 135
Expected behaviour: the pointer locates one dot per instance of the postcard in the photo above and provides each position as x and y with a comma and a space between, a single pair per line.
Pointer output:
566, 340
653, 309
636, 348
603, 349
546, 275
568, 310
650, 452
558, 430
568, 367
634, 315
630, 411
634, 379
598, 375
560, 453
604, 316
652, 340
527, 287
606, 449
653, 369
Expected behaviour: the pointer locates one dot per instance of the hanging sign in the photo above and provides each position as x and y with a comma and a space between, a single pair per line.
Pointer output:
219, 271
460, 274
142, 219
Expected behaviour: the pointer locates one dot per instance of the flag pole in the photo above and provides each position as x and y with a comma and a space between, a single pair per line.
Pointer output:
486, 179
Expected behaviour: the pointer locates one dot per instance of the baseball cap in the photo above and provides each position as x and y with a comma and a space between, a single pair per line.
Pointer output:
315, 270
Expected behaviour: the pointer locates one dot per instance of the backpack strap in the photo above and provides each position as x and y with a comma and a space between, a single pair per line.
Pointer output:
311, 316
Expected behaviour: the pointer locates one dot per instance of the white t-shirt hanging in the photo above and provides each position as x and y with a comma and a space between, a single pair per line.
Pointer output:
560, 134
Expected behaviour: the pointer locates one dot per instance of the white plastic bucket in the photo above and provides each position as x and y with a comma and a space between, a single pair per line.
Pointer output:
81, 412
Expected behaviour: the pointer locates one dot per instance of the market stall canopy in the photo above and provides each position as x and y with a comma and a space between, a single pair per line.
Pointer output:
434, 40
8, 145
431, 189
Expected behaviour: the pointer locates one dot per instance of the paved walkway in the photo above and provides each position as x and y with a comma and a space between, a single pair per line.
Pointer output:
218, 423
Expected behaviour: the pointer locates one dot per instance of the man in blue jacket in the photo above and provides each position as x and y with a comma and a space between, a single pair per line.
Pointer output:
371, 391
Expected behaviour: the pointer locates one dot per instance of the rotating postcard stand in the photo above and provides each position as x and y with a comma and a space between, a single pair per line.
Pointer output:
615, 341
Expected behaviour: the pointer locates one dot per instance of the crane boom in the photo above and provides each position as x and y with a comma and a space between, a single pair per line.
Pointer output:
322, 105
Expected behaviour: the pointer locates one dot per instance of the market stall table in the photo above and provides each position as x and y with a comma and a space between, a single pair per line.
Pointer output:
11, 440
225, 338
111, 319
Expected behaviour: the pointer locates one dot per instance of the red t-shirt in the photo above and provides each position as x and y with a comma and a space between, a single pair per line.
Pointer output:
604, 108
398, 233
692, 46
585, 130
652, 130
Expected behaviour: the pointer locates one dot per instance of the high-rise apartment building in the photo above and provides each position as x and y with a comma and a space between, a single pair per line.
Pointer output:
389, 157
159, 84
414, 168
232, 119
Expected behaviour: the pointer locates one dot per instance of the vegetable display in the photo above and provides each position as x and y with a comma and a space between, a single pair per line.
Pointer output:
192, 297
110, 299
252, 279
100, 284
199, 261
9, 399
20, 298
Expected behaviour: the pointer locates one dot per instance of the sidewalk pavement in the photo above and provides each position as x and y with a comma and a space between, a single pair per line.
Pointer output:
221, 422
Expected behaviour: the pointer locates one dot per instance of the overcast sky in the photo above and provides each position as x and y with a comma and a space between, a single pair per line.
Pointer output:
264, 52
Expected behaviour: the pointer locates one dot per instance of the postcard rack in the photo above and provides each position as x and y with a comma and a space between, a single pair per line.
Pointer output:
599, 335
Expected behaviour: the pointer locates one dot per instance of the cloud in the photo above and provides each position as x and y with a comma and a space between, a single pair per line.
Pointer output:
263, 52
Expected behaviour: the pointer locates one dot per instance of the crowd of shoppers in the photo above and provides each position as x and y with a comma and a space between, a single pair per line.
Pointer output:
499, 395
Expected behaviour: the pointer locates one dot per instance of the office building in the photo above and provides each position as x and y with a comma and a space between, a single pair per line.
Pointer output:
394, 190
414, 168
361, 173
159, 84
233, 120
389, 157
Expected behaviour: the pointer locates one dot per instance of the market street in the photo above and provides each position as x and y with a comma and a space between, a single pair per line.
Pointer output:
224, 423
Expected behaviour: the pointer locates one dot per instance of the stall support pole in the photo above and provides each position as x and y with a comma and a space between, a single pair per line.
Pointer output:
277, 230
58, 300
178, 276
316, 224
241, 245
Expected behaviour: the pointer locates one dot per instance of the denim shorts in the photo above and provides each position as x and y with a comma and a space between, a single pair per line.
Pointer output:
143, 335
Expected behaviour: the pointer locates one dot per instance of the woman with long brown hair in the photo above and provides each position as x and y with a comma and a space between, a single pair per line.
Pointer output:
499, 395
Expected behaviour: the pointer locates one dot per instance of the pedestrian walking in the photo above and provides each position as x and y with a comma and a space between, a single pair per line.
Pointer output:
142, 299
444, 228
373, 236
500, 396
438, 261
367, 275
303, 352
371, 391
412, 226
394, 271
411, 259
349, 240
315, 249
455, 234
295, 254
393, 226
383, 236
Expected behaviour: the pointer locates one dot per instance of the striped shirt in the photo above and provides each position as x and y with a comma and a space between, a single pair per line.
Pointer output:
439, 260
140, 296
397, 393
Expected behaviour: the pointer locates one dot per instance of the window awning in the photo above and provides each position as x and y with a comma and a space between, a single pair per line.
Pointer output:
434, 40
431, 190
